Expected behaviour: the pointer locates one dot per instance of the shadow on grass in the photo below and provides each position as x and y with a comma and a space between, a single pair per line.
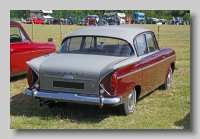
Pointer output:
185, 122
22, 105
16, 78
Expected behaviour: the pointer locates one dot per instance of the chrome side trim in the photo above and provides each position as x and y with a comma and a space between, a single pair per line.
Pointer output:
129, 73
67, 97
37, 75
74, 78
144, 68
105, 90
158, 62
34, 52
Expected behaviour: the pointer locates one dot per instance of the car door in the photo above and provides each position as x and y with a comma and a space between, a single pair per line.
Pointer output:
159, 58
146, 62
20, 51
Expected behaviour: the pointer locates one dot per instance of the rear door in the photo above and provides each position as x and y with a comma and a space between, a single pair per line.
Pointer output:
159, 57
146, 62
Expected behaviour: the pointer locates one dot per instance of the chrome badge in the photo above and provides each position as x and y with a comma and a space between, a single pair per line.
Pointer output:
66, 76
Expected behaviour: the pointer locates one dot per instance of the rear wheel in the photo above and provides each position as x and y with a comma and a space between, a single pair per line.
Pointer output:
128, 106
168, 82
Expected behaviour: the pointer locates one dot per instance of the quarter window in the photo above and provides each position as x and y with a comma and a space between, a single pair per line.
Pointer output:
150, 42
141, 46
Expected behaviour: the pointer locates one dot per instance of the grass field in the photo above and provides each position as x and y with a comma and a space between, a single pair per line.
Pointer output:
168, 109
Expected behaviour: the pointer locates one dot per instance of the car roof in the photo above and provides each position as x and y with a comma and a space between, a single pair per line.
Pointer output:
123, 32
13, 22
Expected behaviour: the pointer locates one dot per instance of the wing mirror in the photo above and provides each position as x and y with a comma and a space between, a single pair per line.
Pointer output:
50, 39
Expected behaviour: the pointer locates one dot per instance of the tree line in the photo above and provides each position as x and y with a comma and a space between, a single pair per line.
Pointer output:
165, 14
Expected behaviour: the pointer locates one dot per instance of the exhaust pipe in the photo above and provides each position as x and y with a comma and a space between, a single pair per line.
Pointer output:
43, 102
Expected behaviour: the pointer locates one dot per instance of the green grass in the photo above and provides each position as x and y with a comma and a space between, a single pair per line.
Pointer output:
168, 109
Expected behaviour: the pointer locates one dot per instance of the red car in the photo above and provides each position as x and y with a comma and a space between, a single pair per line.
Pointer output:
22, 49
35, 20
90, 20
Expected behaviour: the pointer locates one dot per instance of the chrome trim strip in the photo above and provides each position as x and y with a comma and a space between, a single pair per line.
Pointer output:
67, 79
37, 75
144, 67
105, 90
158, 62
34, 52
129, 73
67, 97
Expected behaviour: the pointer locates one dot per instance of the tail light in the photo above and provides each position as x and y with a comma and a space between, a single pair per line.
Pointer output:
109, 84
113, 83
32, 77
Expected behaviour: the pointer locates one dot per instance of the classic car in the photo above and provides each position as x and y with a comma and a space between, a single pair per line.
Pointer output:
48, 20
90, 20
81, 22
112, 20
71, 20
34, 20
178, 21
102, 65
150, 20
102, 22
59, 21
22, 49
163, 21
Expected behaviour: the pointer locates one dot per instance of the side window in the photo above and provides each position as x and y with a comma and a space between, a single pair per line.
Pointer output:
141, 46
16, 35
24, 39
150, 42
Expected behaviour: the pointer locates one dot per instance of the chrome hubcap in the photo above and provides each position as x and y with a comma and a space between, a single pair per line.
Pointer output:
132, 101
169, 78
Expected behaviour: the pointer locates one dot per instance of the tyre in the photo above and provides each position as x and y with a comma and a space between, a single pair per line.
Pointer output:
168, 82
128, 106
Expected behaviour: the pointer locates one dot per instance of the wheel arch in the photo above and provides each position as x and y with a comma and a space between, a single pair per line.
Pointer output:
138, 91
171, 65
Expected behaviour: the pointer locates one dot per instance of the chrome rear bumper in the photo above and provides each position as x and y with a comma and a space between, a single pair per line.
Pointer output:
67, 97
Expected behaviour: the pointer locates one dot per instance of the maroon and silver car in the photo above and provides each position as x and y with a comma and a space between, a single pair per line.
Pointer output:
102, 65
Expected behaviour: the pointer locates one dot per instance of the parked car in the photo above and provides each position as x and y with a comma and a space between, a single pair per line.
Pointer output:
104, 65
47, 20
91, 20
34, 20
22, 49
163, 21
59, 21
94, 16
112, 20
102, 21
82, 22
153, 21
178, 21
71, 20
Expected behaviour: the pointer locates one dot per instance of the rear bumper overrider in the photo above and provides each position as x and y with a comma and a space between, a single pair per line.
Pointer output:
69, 97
